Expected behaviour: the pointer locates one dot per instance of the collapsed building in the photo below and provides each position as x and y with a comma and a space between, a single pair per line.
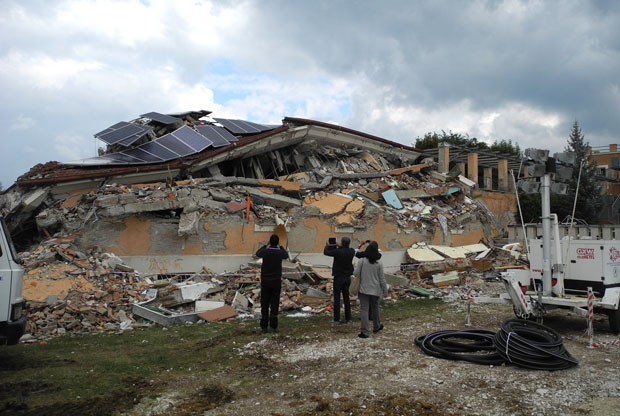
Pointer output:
141, 198
178, 193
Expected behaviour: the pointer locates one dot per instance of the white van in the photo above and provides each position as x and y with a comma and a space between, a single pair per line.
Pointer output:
12, 318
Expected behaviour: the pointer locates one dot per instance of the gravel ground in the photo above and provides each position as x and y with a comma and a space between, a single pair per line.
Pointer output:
335, 372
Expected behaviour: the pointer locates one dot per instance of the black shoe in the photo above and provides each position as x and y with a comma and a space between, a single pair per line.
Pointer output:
334, 323
348, 321
361, 335
264, 330
378, 329
274, 330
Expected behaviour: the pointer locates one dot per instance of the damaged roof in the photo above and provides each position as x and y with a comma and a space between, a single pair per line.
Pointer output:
157, 146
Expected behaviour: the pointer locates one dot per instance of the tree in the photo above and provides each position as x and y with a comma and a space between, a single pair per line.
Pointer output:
532, 208
589, 201
432, 140
506, 146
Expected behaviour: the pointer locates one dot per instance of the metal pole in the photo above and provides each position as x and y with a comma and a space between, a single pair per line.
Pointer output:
545, 191
590, 316
469, 301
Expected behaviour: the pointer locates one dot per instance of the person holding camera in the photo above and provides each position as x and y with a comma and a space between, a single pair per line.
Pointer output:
342, 269
271, 282
372, 287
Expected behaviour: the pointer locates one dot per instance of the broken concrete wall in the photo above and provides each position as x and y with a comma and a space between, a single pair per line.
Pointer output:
230, 234
503, 205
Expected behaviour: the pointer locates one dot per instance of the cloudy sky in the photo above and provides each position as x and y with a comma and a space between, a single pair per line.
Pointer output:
518, 70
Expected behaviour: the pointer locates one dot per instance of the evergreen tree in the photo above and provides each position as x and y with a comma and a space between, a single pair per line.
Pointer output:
589, 201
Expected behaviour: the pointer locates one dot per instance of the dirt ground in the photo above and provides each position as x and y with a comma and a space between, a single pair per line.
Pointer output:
337, 373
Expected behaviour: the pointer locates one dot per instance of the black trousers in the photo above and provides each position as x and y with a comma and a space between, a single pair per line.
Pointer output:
341, 286
269, 303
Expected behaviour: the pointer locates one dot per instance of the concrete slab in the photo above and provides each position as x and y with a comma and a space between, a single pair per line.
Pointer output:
413, 169
422, 253
34, 199
330, 204
218, 314
459, 252
275, 200
207, 305
446, 279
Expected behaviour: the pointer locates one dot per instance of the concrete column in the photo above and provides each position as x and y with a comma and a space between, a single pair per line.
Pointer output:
444, 158
502, 175
472, 167
488, 179
461, 166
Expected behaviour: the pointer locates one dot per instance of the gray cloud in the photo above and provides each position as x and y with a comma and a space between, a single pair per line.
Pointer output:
519, 70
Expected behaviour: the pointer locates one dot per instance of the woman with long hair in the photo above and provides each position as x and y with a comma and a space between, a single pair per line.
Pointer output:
372, 287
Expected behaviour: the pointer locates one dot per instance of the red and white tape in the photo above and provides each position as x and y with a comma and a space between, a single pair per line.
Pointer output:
605, 343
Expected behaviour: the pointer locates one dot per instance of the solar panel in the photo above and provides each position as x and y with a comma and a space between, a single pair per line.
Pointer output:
142, 155
218, 135
190, 137
158, 150
161, 118
132, 139
234, 127
121, 158
261, 127
174, 144
122, 132
242, 126
111, 128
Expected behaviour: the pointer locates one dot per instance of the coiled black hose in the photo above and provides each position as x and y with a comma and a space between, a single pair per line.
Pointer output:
531, 345
519, 342
478, 346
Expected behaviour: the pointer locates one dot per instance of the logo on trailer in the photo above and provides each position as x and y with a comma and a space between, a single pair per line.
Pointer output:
614, 254
586, 253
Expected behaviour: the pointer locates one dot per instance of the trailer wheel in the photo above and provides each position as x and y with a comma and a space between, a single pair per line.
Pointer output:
614, 321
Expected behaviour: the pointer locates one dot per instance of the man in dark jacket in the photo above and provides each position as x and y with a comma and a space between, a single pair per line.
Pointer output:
342, 270
270, 282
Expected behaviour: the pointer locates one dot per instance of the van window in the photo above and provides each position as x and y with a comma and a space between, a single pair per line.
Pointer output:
9, 241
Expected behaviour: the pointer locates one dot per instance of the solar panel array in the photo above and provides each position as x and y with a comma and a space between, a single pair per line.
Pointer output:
123, 133
242, 126
182, 142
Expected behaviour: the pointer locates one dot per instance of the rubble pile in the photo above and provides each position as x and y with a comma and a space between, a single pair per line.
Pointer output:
412, 198
70, 291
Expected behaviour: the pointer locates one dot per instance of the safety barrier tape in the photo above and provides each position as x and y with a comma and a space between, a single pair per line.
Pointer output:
605, 343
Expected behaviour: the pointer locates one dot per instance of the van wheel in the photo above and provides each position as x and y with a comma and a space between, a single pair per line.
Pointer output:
614, 321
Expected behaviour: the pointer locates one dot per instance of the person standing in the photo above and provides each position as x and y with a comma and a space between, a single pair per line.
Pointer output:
342, 269
360, 255
270, 282
372, 287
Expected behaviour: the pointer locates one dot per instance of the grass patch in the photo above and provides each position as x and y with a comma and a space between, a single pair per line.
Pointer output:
105, 373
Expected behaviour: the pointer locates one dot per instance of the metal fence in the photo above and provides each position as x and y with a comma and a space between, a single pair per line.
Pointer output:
590, 232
